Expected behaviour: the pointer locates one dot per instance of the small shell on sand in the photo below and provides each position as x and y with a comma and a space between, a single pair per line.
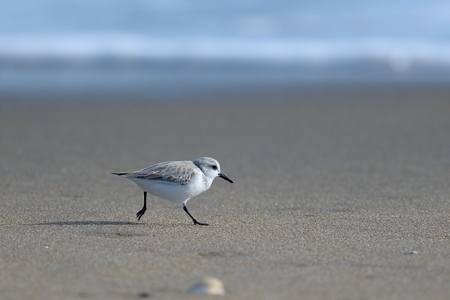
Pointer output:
209, 286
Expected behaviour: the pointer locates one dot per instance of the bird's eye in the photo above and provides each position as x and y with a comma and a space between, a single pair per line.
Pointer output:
214, 167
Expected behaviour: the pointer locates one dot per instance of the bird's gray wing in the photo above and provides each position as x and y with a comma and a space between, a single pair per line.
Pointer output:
177, 172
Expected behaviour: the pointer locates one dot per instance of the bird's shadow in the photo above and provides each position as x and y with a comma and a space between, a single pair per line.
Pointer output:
88, 223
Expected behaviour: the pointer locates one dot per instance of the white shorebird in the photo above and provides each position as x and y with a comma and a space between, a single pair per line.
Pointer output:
176, 181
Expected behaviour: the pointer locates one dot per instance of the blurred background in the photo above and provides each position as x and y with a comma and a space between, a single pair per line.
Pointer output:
170, 47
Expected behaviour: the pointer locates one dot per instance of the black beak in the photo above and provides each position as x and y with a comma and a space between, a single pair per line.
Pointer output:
221, 175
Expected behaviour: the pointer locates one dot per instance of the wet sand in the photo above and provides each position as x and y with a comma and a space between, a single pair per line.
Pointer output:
340, 192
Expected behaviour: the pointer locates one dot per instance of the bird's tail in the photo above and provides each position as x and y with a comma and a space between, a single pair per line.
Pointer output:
120, 174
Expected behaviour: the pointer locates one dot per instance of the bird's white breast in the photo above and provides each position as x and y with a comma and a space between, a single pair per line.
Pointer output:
175, 193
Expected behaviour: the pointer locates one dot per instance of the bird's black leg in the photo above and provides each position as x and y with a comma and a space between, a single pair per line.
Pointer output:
142, 211
193, 219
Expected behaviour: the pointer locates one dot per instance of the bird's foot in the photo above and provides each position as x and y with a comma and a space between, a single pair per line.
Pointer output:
140, 213
198, 223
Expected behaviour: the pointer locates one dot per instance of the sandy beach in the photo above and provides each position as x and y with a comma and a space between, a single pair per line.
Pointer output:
340, 192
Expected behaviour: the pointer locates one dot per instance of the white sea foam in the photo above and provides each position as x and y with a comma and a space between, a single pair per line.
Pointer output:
130, 46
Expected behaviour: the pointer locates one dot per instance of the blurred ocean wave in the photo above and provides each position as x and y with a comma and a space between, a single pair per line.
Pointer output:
140, 46
124, 48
